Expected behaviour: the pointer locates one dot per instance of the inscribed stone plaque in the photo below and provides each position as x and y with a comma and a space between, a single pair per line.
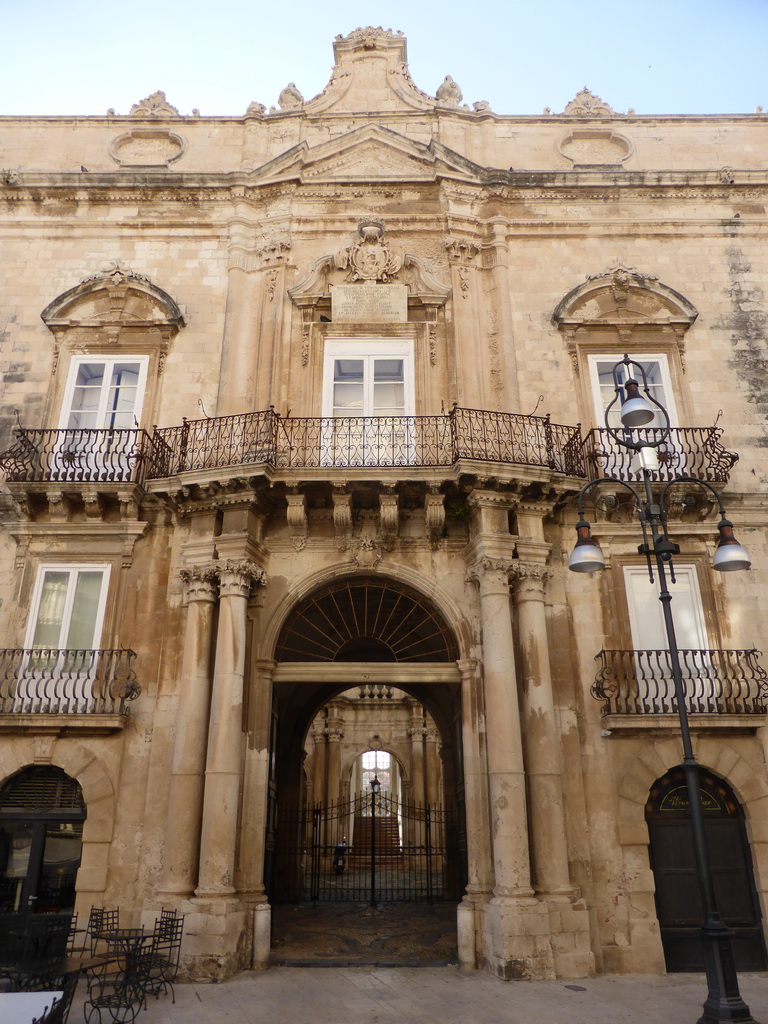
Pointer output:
369, 303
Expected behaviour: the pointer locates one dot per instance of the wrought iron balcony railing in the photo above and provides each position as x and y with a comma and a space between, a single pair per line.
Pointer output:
687, 451
76, 456
66, 682
715, 682
377, 441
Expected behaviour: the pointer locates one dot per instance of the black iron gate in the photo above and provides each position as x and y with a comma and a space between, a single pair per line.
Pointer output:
378, 850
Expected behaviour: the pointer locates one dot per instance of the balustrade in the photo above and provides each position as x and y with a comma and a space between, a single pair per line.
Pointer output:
66, 682
633, 682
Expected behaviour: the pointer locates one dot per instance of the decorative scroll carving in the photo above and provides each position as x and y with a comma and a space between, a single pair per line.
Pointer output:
237, 576
370, 259
116, 273
586, 104
342, 519
155, 105
389, 520
255, 110
595, 147
199, 582
449, 94
297, 520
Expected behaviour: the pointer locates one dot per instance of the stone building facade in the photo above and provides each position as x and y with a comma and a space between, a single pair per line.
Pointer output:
299, 401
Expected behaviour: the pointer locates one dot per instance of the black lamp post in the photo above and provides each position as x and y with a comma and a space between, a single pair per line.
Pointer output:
723, 1002
375, 785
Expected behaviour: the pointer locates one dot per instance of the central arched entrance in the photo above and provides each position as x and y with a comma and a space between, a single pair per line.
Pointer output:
367, 673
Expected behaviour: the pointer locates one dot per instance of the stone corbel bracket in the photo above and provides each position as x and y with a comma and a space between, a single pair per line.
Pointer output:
342, 519
296, 515
389, 520
434, 516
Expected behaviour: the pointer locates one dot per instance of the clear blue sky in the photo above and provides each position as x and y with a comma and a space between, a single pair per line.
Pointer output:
659, 56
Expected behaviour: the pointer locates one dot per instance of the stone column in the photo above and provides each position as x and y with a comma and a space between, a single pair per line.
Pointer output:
185, 798
224, 759
254, 814
335, 736
542, 742
416, 736
432, 769
506, 771
319, 794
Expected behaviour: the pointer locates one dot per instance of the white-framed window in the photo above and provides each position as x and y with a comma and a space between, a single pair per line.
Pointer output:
368, 393
104, 393
367, 377
658, 379
646, 618
63, 633
67, 608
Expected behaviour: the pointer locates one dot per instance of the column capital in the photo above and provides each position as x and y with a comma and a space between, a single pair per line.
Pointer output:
238, 575
199, 582
491, 573
533, 572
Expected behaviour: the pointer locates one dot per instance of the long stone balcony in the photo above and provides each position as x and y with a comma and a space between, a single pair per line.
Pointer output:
89, 688
686, 451
357, 441
717, 683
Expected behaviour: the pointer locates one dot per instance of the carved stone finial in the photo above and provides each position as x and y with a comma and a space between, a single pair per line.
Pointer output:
586, 104
481, 107
155, 105
370, 259
449, 94
290, 98
255, 110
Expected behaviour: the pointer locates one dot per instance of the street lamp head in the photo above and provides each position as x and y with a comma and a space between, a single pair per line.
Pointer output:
729, 554
635, 410
375, 785
586, 555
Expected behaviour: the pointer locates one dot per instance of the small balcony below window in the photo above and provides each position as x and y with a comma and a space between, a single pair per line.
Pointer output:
685, 451
76, 456
718, 684
66, 688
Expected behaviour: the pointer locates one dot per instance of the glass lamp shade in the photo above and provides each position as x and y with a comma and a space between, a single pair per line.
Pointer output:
375, 785
729, 554
586, 555
635, 411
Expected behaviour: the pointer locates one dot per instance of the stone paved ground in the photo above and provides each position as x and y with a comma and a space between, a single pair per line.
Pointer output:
440, 995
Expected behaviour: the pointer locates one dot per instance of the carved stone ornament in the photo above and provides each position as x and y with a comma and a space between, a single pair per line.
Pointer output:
237, 576
449, 94
586, 104
369, 259
290, 98
155, 105
116, 273
199, 582
494, 571
255, 110
366, 553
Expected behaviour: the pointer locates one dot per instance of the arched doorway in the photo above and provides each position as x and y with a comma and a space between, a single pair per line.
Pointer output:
678, 902
41, 828
366, 664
